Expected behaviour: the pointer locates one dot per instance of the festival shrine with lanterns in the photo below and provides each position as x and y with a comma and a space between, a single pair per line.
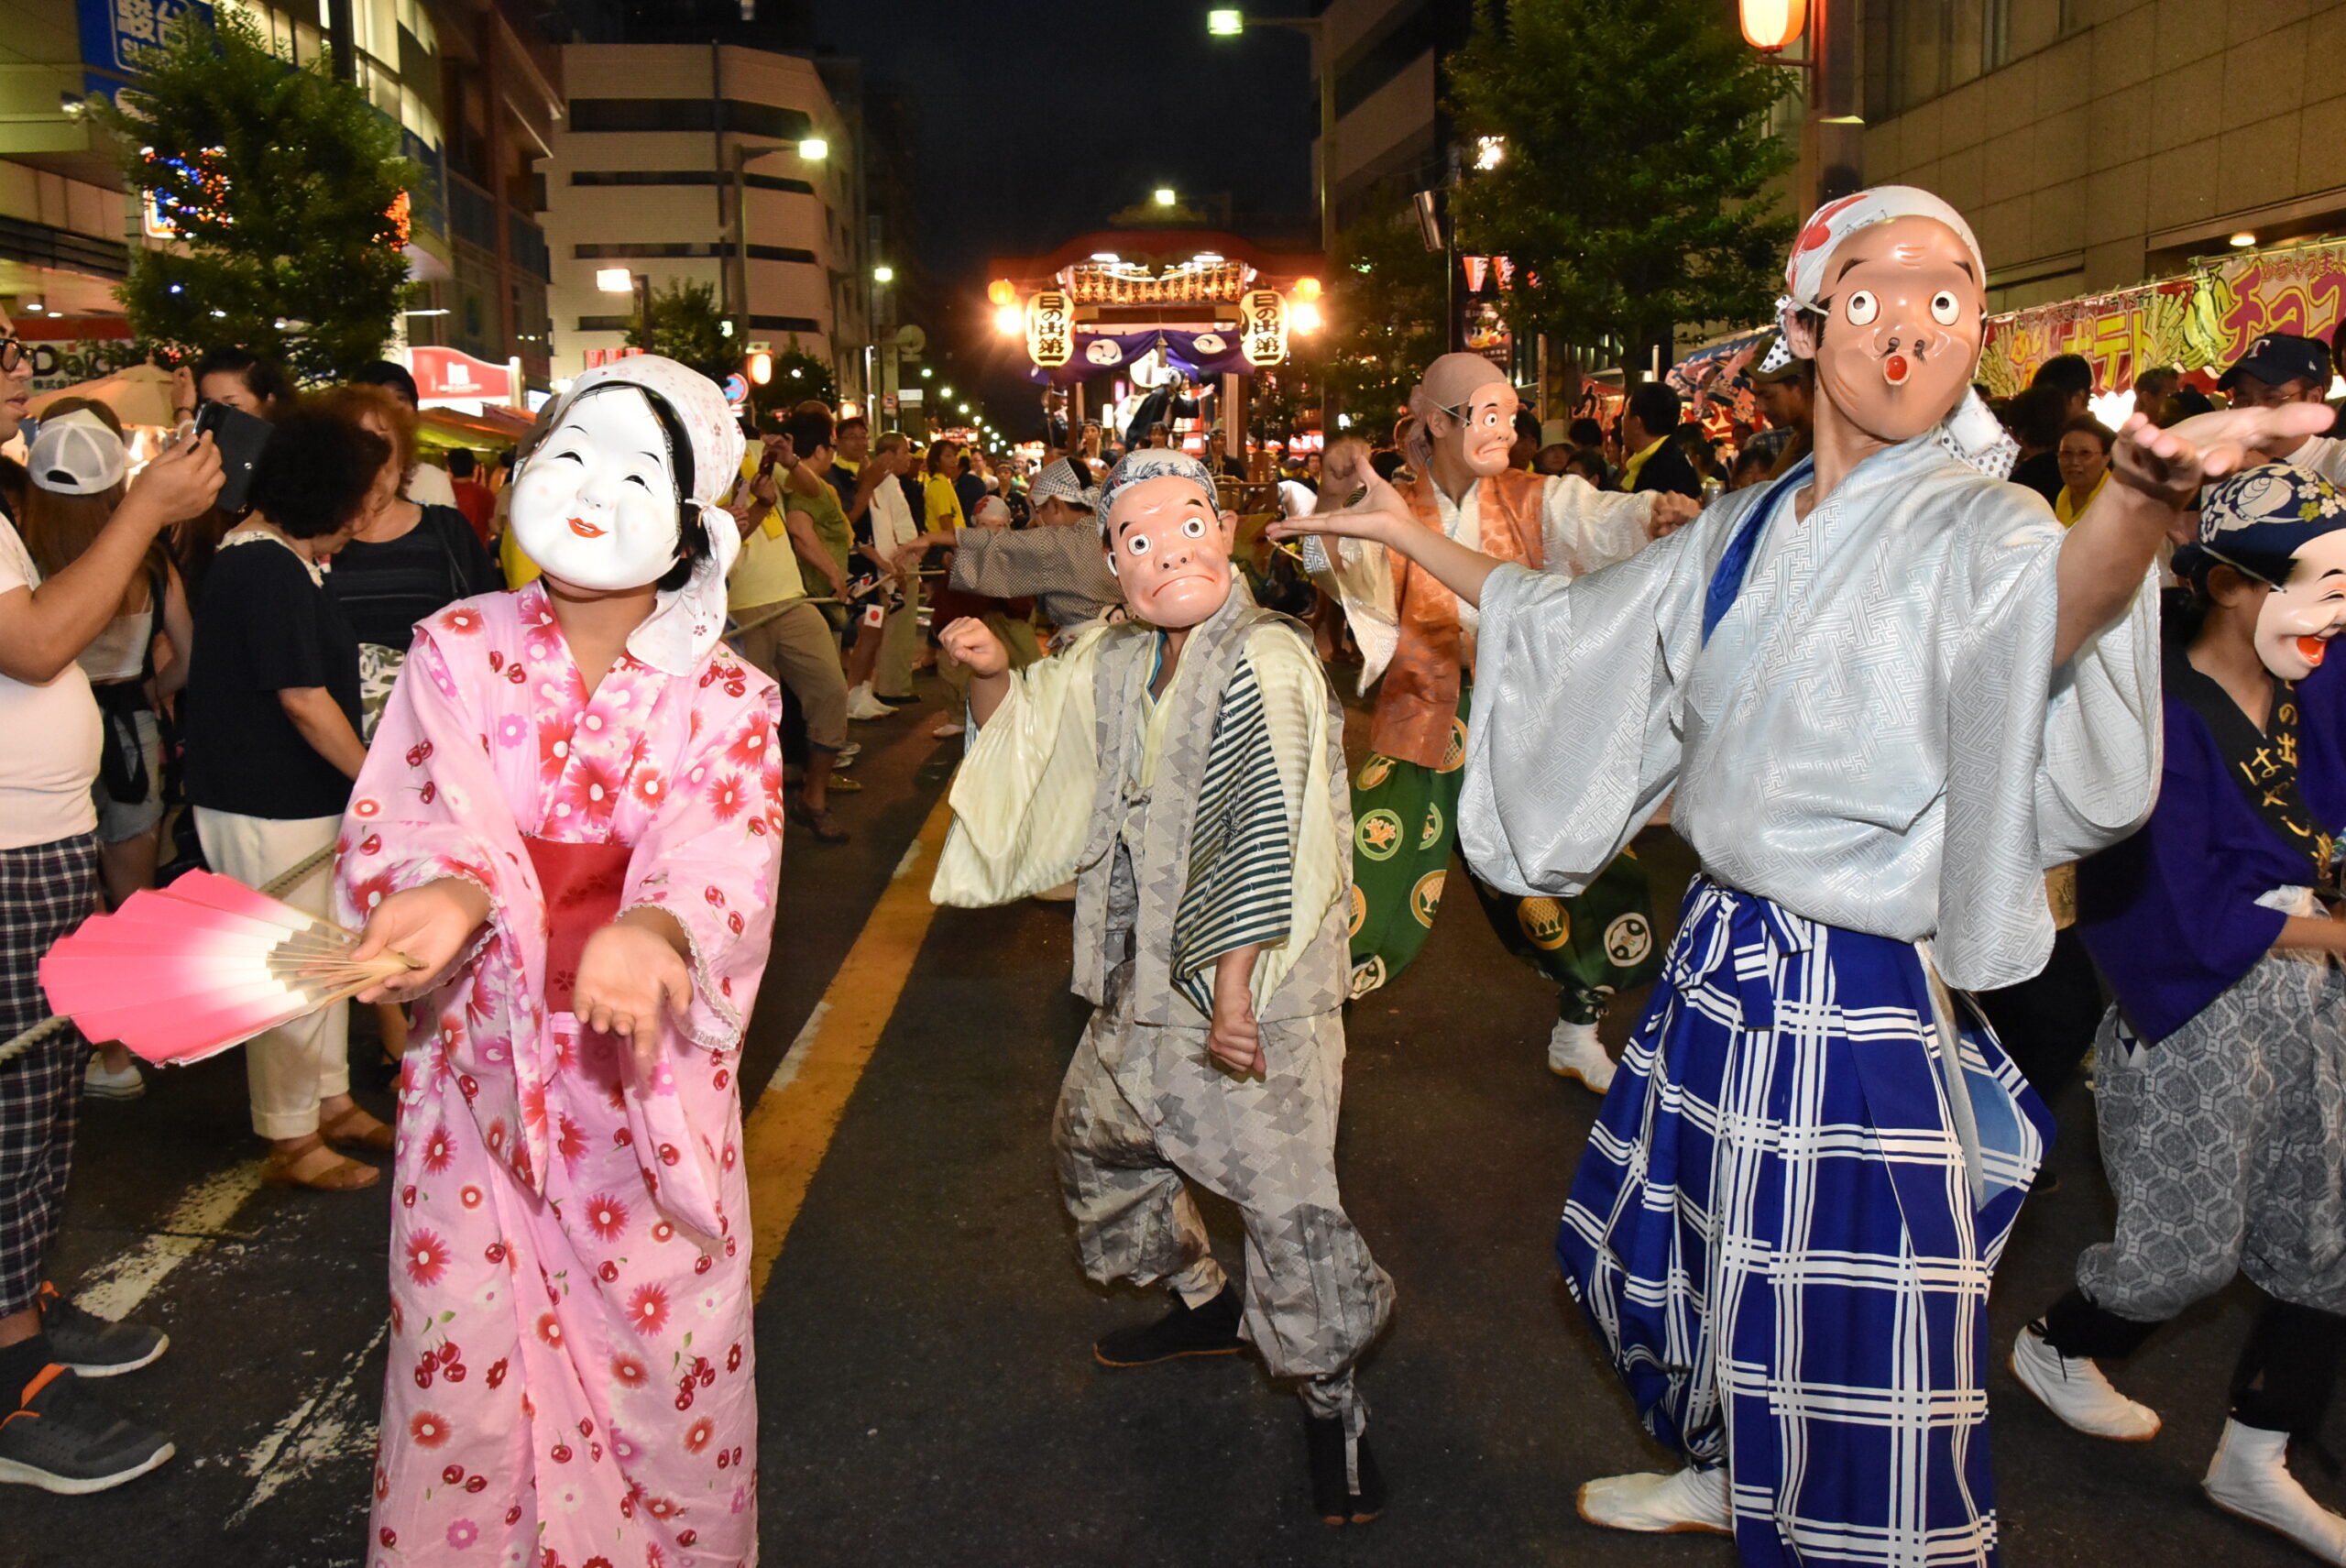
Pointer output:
1114, 317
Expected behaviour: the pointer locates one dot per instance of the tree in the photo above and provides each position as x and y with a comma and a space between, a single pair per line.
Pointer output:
1384, 309
687, 327
1631, 188
286, 194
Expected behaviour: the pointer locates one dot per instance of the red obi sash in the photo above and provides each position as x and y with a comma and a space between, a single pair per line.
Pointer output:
582, 884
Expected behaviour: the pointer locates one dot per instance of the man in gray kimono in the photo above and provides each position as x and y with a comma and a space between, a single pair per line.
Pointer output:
1186, 768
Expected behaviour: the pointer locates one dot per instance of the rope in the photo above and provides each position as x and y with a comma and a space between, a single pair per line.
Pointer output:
276, 887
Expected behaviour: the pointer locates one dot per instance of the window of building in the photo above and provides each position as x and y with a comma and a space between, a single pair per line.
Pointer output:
646, 115
1916, 49
685, 177
673, 250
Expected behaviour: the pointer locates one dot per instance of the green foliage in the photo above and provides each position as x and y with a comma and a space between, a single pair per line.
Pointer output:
1384, 308
282, 182
1632, 190
687, 327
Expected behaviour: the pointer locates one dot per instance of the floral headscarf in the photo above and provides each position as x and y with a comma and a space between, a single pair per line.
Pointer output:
1970, 434
2259, 518
686, 623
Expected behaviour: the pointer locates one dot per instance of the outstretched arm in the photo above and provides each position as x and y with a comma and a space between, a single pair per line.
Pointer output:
1383, 517
2158, 471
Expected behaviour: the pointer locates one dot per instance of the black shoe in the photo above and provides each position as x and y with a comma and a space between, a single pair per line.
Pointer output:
93, 1346
1209, 1329
60, 1439
1336, 1496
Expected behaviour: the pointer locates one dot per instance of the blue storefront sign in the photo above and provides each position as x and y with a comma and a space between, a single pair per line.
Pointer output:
116, 33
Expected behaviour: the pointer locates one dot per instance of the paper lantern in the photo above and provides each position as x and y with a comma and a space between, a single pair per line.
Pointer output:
1262, 325
1002, 291
1770, 25
1050, 329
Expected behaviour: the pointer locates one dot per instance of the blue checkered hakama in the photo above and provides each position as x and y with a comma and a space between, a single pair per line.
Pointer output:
1778, 1239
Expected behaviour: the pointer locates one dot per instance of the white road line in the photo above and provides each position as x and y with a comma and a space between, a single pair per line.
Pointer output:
114, 1289
328, 1425
787, 1068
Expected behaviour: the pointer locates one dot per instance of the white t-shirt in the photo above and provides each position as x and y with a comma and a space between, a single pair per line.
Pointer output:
430, 485
2325, 456
51, 759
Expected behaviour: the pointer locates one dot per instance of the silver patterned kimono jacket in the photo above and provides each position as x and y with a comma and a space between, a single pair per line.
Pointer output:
1874, 738
1876, 760
1218, 814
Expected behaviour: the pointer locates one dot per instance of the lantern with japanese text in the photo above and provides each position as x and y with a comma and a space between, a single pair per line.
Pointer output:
1050, 329
1261, 326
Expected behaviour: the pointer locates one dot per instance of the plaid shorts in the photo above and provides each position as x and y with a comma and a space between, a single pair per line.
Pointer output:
45, 891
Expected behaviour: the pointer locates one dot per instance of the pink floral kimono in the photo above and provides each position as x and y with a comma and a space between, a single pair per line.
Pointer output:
571, 1370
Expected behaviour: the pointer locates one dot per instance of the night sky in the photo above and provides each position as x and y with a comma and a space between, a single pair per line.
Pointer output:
1038, 118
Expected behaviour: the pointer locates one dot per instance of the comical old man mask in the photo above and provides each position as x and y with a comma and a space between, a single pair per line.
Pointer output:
1167, 542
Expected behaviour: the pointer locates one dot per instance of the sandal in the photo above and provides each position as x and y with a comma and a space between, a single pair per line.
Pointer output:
377, 1139
342, 1175
821, 824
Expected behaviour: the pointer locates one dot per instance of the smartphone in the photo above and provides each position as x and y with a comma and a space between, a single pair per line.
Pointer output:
241, 438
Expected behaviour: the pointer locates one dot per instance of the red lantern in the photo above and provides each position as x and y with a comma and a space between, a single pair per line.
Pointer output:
1770, 25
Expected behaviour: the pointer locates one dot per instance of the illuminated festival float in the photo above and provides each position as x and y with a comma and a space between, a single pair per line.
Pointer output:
1176, 322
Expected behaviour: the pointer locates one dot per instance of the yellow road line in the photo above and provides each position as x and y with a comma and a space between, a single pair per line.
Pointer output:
790, 1127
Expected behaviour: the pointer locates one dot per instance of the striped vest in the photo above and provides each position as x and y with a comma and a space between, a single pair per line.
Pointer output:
1128, 900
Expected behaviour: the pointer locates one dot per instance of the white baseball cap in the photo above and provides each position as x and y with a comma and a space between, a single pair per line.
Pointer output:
78, 454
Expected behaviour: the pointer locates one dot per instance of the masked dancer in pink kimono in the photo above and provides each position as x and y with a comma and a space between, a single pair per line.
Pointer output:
570, 821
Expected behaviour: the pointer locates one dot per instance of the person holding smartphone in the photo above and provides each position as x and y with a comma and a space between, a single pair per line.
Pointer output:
48, 883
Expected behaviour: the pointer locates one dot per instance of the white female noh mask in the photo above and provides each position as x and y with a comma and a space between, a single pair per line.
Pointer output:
596, 505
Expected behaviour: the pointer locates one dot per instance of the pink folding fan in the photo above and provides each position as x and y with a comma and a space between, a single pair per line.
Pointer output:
181, 973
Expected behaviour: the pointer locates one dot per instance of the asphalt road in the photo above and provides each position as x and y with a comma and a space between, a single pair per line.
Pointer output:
927, 1395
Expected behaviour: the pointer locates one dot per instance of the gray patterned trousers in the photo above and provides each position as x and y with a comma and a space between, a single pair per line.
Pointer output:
2226, 1146
1144, 1107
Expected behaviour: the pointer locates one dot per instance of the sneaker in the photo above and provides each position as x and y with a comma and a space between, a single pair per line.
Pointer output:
60, 1439
1660, 1505
947, 729
2074, 1388
1575, 1051
1209, 1329
1346, 1487
847, 753
91, 1346
97, 1083
2249, 1476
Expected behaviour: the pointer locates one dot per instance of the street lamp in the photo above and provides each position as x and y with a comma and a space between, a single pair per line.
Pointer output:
1228, 23
619, 280
814, 149
1167, 196
884, 274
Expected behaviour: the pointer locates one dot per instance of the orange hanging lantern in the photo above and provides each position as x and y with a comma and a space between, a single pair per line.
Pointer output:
1002, 291
1770, 25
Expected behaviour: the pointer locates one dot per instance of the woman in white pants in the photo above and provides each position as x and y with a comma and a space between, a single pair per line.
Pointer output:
271, 715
